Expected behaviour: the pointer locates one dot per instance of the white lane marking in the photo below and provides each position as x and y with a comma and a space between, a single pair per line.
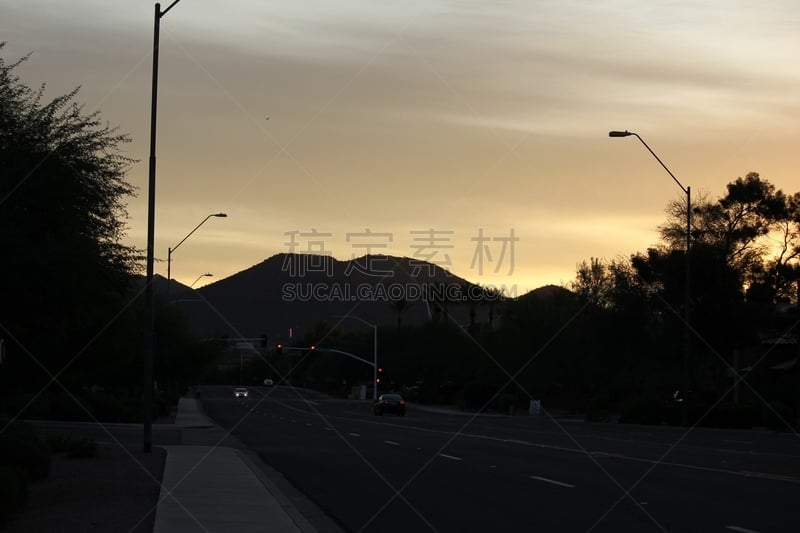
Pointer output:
392, 442
453, 457
741, 529
308, 424
328, 429
553, 481
733, 441
354, 434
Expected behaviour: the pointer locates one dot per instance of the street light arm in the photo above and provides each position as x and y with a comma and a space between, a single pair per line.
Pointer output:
168, 8
684, 189
207, 274
221, 215
373, 326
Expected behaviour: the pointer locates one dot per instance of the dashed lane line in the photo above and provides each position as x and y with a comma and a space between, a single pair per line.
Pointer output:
553, 481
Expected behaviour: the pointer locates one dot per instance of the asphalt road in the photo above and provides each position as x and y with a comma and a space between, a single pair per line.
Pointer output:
450, 472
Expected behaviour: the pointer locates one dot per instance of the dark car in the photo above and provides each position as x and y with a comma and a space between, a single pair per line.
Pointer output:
390, 403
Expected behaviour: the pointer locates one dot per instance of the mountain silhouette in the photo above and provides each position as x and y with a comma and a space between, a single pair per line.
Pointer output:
293, 291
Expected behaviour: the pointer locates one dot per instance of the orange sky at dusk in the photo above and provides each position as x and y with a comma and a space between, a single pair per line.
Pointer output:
435, 116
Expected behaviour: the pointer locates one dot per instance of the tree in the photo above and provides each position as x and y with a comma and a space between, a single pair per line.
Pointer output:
62, 188
400, 306
741, 229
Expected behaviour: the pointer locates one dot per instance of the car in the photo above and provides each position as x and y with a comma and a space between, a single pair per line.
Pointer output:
268, 382
390, 403
240, 392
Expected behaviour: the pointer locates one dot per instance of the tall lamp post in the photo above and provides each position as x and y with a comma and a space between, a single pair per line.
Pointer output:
149, 294
374, 352
687, 289
170, 250
206, 275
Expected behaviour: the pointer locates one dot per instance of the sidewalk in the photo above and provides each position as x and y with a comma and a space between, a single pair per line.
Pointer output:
210, 489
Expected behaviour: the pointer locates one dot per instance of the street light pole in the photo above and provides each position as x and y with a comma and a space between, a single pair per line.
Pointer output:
170, 250
687, 288
374, 352
149, 295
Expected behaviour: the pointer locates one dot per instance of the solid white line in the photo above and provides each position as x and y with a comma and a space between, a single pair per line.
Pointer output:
741, 529
453, 457
392, 443
554, 482
328, 429
354, 434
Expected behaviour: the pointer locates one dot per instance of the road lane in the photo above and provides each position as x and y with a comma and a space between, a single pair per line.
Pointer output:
341, 456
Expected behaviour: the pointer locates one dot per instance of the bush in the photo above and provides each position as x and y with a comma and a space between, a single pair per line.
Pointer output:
13, 490
108, 408
477, 394
728, 415
82, 448
49, 405
28, 406
507, 403
58, 442
598, 408
21, 447
68, 407
642, 411
773, 415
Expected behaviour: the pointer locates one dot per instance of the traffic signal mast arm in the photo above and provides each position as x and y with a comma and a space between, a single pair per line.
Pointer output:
313, 348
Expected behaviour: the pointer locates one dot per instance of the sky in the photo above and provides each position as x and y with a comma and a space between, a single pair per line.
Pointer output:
473, 134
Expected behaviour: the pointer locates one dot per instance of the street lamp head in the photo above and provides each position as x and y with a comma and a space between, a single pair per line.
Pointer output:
625, 133
220, 215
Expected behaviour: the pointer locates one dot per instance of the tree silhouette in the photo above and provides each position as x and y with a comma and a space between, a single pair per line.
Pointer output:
62, 188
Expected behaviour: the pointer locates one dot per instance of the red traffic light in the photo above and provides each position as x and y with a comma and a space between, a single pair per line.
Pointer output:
279, 347
380, 369
312, 348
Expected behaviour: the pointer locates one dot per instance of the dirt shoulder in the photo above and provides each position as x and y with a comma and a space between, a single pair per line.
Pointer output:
117, 491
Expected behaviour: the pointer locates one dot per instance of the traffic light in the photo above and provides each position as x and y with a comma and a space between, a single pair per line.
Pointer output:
263, 341
380, 374
279, 348
312, 348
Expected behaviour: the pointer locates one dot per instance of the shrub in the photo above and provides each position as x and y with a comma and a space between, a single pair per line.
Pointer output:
728, 415
477, 394
58, 442
28, 406
82, 448
107, 408
773, 415
68, 407
21, 447
598, 408
13, 490
507, 403
642, 411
